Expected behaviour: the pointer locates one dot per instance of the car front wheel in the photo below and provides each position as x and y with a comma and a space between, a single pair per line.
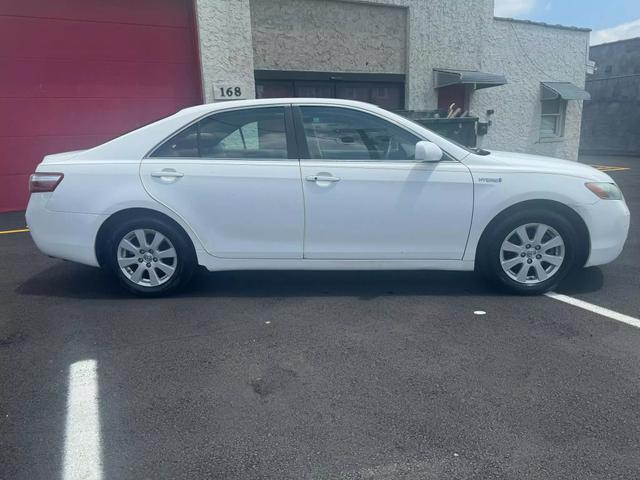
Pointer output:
150, 257
531, 252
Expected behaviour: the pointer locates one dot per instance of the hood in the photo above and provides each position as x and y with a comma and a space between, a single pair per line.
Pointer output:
526, 163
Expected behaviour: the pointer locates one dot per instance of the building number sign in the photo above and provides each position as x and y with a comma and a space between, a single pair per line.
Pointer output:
228, 92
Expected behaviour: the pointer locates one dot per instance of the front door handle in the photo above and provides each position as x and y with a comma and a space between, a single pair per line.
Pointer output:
322, 178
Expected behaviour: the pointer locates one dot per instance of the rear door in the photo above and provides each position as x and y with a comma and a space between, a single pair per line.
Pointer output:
234, 177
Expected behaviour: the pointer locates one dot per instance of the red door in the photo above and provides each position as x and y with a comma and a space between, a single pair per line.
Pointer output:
76, 73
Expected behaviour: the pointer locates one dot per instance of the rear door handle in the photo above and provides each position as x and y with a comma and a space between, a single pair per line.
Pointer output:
167, 174
322, 178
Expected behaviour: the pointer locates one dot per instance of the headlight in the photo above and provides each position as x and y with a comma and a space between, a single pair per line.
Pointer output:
606, 191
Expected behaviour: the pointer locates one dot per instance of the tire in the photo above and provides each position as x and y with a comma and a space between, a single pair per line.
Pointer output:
506, 260
150, 256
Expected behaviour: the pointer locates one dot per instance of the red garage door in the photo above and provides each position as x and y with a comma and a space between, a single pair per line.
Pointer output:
74, 73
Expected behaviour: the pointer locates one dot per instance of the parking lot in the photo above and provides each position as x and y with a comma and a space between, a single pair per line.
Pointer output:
374, 375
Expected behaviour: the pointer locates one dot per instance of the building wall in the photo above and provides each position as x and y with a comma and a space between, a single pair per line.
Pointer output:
443, 34
404, 36
611, 120
529, 54
224, 34
438, 33
309, 35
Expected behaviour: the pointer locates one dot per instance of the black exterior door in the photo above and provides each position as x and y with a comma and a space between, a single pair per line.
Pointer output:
389, 95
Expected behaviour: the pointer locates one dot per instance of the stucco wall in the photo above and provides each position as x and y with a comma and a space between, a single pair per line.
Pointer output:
438, 33
226, 56
529, 54
442, 34
370, 36
311, 35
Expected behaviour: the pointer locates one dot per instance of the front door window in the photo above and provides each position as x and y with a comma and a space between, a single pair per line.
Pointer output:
335, 133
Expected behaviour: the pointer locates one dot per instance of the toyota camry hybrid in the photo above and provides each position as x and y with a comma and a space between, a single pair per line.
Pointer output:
318, 184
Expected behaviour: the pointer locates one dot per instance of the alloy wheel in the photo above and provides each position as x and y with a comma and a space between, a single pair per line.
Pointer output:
147, 257
532, 253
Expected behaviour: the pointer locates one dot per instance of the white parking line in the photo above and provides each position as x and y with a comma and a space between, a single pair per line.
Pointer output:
620, 317
82, 452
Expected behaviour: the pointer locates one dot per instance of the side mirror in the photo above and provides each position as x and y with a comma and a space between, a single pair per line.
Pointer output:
428, 152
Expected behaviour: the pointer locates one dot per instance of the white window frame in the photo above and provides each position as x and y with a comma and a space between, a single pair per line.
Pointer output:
561, 116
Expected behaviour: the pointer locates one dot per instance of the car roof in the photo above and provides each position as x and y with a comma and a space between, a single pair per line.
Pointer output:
212, 107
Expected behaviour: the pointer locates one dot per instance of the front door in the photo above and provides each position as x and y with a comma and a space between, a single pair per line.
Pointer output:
234, 178
367, 198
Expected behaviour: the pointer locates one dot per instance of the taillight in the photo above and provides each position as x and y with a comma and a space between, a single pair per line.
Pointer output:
44, 181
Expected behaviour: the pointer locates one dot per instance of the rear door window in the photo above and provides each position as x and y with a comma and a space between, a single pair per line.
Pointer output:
252, 133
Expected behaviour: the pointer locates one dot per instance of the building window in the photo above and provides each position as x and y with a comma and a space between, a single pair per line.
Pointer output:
553, 115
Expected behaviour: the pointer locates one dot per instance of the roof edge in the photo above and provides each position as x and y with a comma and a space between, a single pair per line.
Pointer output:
542, 24
614, 41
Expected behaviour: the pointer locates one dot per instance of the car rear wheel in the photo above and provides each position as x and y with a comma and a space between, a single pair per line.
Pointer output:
151, 257
530, 252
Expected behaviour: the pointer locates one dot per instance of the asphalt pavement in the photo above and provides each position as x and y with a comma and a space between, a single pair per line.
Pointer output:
317, 375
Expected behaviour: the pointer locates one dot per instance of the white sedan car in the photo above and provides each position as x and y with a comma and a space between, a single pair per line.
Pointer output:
318, 184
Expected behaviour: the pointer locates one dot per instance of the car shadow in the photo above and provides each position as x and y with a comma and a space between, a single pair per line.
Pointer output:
582, 281
68, 280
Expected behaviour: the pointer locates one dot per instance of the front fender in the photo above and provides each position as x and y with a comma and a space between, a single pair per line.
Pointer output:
493, 198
